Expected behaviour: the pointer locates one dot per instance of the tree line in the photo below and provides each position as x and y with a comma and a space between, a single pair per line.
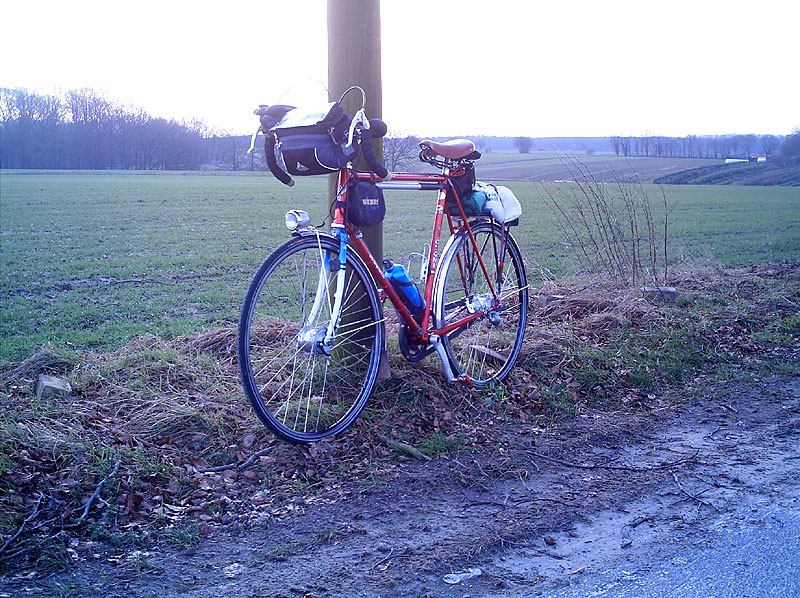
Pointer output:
694, 146
82, 129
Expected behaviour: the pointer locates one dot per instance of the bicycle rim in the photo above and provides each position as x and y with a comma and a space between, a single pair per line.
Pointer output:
301, 390
486, 348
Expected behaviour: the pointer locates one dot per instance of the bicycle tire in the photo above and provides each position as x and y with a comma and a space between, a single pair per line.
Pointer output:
297, 389
486, 348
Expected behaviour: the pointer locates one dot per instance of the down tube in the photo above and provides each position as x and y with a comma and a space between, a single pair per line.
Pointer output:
380, 279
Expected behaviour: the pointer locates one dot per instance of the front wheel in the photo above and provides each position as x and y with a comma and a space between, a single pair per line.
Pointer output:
486, 348
301, 387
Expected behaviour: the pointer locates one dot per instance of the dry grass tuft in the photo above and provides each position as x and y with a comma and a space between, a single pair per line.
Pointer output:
220, 342
45, 361
604, 322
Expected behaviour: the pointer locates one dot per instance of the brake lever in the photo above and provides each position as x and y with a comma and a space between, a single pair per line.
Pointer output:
359, 119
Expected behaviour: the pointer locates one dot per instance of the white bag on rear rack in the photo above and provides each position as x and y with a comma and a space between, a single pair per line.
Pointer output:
501, 203
512, 209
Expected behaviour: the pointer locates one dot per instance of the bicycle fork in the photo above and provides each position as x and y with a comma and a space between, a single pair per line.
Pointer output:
318, 340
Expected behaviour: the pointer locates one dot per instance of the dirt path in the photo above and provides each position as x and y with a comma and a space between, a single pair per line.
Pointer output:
649, 486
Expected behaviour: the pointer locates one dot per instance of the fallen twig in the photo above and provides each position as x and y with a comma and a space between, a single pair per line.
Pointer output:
383, 560
504, 541
407, 449
24, 523
252, 458
690, 495
238, 466
96, 494
615, 467
638, 521
388, 556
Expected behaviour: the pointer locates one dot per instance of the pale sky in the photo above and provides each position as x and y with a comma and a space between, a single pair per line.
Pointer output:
555, 68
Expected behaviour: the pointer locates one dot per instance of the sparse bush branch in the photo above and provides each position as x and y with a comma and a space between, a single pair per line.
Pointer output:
667, 211
572, 234
604, 221
633, 227
609, 225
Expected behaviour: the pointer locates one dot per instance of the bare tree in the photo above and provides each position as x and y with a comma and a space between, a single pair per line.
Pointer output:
769, 143
83, 129
626, 146
482, 144
523, 144
790, 148
747, 142
616, 144
646, 140
399, 152
732, 143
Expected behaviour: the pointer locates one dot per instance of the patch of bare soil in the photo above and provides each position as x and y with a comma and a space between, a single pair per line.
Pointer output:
539, 509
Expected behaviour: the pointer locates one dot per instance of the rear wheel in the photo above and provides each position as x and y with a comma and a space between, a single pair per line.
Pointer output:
300, 387
486, 348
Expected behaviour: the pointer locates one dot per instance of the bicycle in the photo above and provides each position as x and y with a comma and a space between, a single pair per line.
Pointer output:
311, 333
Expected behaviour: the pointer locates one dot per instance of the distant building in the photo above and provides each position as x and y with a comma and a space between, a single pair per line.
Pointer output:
749, 160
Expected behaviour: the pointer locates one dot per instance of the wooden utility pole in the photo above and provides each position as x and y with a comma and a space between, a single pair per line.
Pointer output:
354, 58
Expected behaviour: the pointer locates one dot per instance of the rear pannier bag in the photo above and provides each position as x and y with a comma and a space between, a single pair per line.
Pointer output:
365, 203
309, 142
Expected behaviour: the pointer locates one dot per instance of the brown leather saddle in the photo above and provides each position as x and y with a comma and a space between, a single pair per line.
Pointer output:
455, 149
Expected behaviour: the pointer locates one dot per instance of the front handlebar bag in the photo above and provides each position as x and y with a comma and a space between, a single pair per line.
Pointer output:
312, 142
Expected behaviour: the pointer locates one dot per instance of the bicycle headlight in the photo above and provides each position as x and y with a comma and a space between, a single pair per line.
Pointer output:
297, 220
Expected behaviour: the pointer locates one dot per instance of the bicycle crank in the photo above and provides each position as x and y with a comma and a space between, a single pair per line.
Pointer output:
410, 350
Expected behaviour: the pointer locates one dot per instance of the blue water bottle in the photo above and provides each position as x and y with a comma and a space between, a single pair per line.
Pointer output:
403, 285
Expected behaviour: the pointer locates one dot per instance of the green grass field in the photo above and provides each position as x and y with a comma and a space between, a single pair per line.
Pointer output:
93, 259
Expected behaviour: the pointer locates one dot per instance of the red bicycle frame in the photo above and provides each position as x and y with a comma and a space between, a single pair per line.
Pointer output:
421, 332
